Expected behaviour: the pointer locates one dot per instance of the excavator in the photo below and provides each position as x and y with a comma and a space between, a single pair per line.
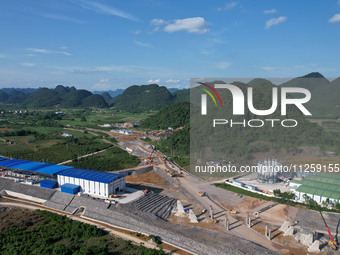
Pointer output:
332, 243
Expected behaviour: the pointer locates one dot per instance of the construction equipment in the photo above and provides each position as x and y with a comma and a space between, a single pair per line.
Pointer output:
175, 174
116, 196
201, 193
213, 220
231, 211
238, 195
150, 159
332, 243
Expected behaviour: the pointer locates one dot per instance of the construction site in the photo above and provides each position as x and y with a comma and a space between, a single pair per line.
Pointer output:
159, 198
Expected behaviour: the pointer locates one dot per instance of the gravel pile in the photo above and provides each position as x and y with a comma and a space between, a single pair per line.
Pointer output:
200, 241
156, 204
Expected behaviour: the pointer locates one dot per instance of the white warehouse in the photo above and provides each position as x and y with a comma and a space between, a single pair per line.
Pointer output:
93, 182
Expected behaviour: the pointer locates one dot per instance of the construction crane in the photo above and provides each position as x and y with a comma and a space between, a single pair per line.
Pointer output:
150, 159
332, 243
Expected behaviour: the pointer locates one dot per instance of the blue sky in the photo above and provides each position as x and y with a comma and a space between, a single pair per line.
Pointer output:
110, 44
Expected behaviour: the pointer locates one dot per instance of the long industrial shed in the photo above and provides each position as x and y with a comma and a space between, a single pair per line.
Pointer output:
90, 181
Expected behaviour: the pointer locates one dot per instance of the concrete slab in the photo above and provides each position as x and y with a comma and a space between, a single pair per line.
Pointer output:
180, 209
289, 231
306, 239
192, 217
315, 247
285, 226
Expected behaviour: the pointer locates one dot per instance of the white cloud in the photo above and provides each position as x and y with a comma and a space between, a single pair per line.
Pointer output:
63, 47
45, 51
104, 9
270, 11
269, 68
27, 64
228, 6
2, 56
172, 81
205, 52
63, 18
154, 81
136, 32
195, 25
275, 21
157, 22
102, 84
223, 65
145, 45
334, 19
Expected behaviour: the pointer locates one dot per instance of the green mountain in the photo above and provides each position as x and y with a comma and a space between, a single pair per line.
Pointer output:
143, 98
258, 81
44, 97
63, 97
107, 97
94, 101
12, 96
175, 115
238, 143
61, 90
74, 98
112, 93
182, 95
325, 94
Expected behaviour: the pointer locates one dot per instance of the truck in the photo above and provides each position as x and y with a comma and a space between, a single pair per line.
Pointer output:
201, 193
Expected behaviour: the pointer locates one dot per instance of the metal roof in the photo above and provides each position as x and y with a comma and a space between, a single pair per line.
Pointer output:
33, 166
70, 186
45, 168
90, 175
47, 181
322, 184
3, 158
52, 169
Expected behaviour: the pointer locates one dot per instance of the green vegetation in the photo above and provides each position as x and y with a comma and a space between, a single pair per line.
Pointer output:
57, 234
143, 98
60, 96
63, 149
146, 98
112, 159
325, 94
283, 198
156, 239
176, 115
182, 95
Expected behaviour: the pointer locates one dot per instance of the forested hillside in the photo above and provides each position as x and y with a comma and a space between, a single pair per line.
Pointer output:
61, 96
175, 115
